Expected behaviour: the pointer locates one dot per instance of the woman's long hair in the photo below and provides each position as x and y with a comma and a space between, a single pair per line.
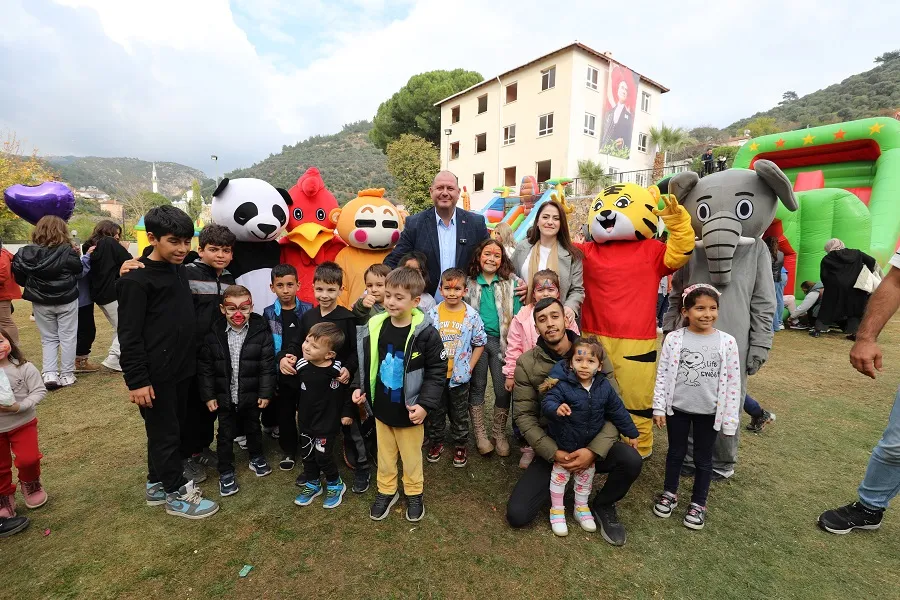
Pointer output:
506, 267
51, 231
102, 229
562, 236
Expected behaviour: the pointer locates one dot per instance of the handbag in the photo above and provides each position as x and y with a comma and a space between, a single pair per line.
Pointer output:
868, 281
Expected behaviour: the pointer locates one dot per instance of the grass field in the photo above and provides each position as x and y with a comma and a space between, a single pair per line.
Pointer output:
760, 541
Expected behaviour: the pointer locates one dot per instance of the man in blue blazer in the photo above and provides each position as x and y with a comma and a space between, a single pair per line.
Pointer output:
446, 234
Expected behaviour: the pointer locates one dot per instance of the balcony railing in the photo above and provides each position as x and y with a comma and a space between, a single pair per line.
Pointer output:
642, 177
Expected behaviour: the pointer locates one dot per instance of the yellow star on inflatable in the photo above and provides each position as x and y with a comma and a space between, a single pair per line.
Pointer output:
876, 128
808, 139
754, 146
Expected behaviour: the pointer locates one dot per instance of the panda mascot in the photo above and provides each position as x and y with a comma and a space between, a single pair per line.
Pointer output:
256, 213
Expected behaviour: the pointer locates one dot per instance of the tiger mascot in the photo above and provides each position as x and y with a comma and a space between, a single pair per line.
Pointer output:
623, 265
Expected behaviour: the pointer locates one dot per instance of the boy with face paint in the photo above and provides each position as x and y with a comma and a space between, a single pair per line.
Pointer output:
237, 380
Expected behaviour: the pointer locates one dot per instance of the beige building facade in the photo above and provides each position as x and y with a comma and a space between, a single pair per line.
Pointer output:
540, 119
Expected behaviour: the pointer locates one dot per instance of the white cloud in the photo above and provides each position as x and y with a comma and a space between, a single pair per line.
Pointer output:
180, 80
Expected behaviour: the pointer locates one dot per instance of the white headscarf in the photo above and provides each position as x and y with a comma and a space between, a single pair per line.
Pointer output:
834, 244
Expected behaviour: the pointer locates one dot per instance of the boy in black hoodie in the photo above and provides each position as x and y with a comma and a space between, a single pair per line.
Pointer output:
327, 282
324, 404
208, 277
156, 335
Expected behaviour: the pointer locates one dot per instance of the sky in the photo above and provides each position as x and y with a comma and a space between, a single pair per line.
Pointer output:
180, 80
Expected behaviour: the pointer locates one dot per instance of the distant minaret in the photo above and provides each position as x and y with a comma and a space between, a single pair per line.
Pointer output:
155, 180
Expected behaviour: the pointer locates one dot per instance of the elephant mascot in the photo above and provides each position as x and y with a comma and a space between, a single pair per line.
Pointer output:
730, 211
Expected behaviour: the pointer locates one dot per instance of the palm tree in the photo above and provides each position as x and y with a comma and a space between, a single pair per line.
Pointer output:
667, 139
593, 175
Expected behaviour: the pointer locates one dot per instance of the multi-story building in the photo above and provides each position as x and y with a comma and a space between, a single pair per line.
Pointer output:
542, 117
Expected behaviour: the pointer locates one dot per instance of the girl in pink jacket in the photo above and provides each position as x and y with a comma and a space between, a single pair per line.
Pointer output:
523, 336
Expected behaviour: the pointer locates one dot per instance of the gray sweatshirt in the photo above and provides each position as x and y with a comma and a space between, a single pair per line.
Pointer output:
28, 389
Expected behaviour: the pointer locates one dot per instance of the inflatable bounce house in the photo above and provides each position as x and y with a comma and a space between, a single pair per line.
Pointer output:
518, 211
847, 180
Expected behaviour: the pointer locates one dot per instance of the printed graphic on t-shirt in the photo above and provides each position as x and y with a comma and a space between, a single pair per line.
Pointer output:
450, 326
700, 365
390, 372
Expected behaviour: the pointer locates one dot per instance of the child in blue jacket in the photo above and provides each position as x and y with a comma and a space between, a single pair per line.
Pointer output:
578, 401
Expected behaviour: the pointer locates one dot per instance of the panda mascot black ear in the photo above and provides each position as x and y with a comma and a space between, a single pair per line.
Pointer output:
285, 195
221, 186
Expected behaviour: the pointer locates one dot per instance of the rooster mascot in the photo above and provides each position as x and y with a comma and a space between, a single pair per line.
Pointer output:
370, 225
626, 263
310, 238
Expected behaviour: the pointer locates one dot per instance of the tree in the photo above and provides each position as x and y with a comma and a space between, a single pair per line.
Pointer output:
195, 204
888, 56
762, 126
138, 202
411, 110
667, 139
788, 97
707, 134
16, 168
593, 175
89, 207
413, 161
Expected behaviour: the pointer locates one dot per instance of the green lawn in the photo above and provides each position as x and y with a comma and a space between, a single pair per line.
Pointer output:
760, 541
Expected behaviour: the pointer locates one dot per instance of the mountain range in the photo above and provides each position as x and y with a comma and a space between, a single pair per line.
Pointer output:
123, 176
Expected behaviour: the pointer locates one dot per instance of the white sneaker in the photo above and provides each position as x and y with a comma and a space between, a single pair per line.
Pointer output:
558, 522
51, 381
66, 379
241, 441
112, 363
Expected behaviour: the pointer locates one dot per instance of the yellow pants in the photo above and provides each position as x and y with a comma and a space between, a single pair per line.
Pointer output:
634, 368
405, 443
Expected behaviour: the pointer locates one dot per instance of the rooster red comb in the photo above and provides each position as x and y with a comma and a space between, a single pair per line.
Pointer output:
311, 182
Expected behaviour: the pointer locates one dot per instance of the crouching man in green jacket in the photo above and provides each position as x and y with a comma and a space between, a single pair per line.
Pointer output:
605, 452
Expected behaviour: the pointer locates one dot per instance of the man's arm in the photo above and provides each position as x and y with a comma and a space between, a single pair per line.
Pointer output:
406, 244
527, 409
865, 356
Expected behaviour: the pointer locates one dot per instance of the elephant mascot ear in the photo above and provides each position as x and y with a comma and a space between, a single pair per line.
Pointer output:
778, 181
681, 185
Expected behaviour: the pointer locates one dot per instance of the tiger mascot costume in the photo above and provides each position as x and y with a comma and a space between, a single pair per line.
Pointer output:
623, 264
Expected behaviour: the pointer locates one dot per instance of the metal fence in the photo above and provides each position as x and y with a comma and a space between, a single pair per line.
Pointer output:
642, 177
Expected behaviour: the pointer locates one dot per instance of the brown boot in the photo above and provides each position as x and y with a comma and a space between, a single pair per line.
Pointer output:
501, 444
481, 439
84, 365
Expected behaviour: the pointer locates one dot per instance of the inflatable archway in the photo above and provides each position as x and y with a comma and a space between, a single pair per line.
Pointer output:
847, 179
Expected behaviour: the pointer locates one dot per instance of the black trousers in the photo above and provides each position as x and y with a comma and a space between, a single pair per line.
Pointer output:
230, 416
679, 426
286, 407
532, 492
318, 459
87, 330
270, 414
199, 423
455, 404
163, 424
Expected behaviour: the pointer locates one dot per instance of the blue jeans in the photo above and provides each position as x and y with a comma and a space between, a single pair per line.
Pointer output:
752, 407
882, 480
779, 302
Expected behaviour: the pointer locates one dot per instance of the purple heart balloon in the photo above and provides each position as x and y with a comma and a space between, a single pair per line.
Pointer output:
33, 202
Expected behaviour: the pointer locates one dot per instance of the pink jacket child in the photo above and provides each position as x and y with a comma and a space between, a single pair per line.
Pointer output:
523, 337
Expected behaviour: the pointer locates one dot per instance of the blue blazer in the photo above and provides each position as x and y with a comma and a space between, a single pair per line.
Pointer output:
420, 233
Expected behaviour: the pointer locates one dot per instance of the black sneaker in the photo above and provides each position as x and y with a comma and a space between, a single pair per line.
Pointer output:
695, 517
847, 518
815, 333
382, 506
757, 423
301, 479
207, 458
12, 525
360, 481
611, 528
260, 466
415, 508
286, 463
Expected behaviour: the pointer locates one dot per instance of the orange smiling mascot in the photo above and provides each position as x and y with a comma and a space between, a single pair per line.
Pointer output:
370, 225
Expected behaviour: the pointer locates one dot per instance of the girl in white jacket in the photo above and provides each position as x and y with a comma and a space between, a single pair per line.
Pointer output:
698, 382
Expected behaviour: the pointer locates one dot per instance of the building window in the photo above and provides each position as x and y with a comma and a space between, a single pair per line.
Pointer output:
640, 178
590, 124
543, 170
509, 135
454, 115
645, 102
512, 92
478, 182
548, 78
454, 150
480, 143
509, 176
642, 142
615, 174
593, 75
545, 124
482, 104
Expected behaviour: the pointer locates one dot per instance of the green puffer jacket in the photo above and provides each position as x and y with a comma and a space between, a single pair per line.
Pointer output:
532, 369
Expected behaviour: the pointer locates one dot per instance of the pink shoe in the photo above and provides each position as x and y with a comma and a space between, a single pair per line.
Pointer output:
7, 507
34, 493
527, 457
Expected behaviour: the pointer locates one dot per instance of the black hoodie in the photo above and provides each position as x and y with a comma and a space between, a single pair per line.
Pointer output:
341, 317
106, 260
48, 274
156, 324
